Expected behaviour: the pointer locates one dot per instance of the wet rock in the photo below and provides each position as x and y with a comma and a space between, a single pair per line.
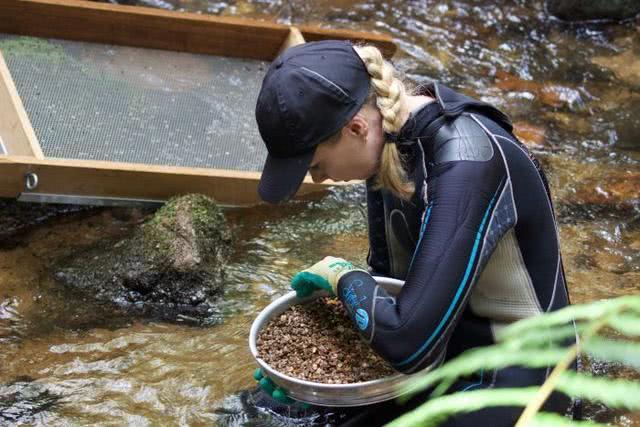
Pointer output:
625, 66
559, 96
585, 189
611, 262
509, 82
553, 95
531, 135
594, 411
588, 285
617, 189
585, 10
172, 266
613, 97
241, 8
616, 107
22, 400
599, 259
628, 126
16, 217
569, 121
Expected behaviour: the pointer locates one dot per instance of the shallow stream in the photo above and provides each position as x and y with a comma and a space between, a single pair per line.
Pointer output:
573, 92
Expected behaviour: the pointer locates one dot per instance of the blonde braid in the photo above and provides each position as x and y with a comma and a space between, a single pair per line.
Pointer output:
389, 93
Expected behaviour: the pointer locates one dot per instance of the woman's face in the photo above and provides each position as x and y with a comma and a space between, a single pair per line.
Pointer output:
356, 155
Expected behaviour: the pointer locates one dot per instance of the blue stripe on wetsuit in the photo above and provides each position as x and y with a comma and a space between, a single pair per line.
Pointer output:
422, 230
461, 287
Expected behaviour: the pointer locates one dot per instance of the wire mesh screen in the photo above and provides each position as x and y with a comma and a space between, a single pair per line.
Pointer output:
123, 104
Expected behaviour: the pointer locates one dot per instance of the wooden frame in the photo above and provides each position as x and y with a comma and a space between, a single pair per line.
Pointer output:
16, 133
161, 29
130, 180
147, 28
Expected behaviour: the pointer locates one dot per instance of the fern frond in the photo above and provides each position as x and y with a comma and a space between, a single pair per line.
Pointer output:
546, 419
494, 357
625, 352
592, 311
436, 410
541, 337
626, 324
540, 342
615, 393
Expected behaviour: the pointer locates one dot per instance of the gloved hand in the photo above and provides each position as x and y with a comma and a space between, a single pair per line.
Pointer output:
322, 275
278, 393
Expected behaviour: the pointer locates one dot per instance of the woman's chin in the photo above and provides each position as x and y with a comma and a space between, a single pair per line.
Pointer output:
362, 177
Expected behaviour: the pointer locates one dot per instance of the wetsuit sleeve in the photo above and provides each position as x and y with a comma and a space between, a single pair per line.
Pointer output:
378, 258
411, 330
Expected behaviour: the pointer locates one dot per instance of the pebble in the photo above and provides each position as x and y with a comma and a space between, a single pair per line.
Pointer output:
317, 342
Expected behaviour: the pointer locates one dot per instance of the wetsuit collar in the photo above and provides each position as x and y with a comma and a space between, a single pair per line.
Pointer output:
449, 105
417, 119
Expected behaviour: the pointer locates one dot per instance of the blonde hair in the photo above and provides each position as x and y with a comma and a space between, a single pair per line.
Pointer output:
389, 94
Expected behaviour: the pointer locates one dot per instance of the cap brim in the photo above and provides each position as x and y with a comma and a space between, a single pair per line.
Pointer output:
281, 178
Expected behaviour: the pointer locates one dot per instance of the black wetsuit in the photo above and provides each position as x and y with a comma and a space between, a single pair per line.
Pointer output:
477, 246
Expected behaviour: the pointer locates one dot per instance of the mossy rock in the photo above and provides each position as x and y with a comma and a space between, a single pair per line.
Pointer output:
173, 264
186, 232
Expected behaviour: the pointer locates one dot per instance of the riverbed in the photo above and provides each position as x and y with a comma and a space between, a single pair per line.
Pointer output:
573, 92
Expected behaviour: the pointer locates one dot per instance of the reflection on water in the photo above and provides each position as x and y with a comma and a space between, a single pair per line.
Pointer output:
92, 364
573, 94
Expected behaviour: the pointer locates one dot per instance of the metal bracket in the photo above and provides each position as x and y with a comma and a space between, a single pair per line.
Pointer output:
88, 200
31, 181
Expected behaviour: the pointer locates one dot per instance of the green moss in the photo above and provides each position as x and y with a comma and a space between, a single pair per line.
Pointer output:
21, 47
157, 232
208, 220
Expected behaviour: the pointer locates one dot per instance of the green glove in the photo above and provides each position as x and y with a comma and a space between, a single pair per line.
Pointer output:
322, 275
278, 393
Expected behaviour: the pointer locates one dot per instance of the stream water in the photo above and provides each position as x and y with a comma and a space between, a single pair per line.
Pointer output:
573, 93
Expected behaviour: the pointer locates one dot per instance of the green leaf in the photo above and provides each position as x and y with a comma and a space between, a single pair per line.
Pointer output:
545, 419
541, 337
540, 342
626, 324
493, 357
593, 311
625, 352
443, 387
615, 393
436, 410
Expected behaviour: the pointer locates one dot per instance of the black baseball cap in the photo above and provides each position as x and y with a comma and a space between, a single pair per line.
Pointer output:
309, 93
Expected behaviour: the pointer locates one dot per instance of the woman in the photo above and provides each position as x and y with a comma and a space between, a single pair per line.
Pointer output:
457, 208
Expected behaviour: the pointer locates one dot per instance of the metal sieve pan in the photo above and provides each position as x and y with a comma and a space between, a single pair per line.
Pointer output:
353, 394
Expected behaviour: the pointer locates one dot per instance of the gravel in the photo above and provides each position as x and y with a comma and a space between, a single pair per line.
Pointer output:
317, 342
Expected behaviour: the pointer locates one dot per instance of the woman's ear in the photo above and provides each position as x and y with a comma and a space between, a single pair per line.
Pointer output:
357, 127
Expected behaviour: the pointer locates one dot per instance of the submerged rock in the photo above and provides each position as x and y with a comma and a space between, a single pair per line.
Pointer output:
553, 95
23, 400
585, 189
172, 267
585, 10
625, 66
17, 217
531, 135
255, 408
615, 190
